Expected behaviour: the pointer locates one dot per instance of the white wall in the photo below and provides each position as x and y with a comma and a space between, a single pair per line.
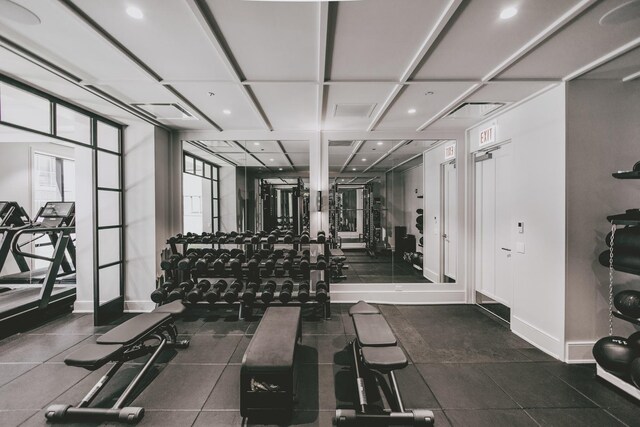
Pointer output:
432, 201
537, 133
603, 125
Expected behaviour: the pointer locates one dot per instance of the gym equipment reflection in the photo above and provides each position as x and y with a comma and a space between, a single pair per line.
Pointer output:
380, 193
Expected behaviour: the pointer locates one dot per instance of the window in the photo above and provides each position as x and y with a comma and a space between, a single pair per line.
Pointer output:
24, 109
54, 179
201, 205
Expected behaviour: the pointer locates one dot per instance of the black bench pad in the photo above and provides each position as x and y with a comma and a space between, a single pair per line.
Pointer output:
363, 308
134, 329
174, 308
94, 356
384, 359
373, 330
274, 343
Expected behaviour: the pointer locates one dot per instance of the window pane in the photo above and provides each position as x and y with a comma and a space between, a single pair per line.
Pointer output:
199, 168
214, 173
69, 180
215, 190
108, 208
109, 246
108, 137
108, 170
109, 283
216, 207
73, 125
24, 109
207, 171
188, 164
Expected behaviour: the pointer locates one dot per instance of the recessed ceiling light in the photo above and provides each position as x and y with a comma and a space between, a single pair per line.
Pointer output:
135, 12
279, 169
353, 169
227, 112
380, 142
364, 160
271, 160
508, 12
411, 111
256, 143
17, 13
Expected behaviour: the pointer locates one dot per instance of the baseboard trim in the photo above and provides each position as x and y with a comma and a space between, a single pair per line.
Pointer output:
403, 297
579, 352
539, 338
129, 306
83, 307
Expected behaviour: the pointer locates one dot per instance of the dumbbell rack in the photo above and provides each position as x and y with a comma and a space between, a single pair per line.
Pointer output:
620, 220
249, 250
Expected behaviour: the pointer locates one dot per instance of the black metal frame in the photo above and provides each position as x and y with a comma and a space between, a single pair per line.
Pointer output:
215, 213
104, 312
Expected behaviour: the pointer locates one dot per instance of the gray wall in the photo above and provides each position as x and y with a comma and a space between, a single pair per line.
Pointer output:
603, 136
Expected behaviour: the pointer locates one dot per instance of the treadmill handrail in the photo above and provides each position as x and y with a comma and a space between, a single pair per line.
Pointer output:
34, 230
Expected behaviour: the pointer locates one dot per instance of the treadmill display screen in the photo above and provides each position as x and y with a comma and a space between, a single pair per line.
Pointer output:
57, 210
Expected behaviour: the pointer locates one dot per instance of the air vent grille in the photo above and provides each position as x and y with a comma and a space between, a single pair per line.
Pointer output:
353, 110
475, 110
340, 143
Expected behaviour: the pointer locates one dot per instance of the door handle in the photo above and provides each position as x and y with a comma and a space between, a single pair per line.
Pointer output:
506, 249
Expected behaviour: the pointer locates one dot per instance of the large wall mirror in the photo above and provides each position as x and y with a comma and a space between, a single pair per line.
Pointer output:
393, 210
245, 185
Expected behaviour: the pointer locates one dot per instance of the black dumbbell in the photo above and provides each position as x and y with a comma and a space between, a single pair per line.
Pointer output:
161, 294
197, 293
236, 265
248, 233
187, 262
172, 262
249, 295
279, 272
218, 264
255, 239
272, 238
322, 292
288, 237
304, 237
305, 265
268, 291
254, 263
213, 295
231, 295
285, 291
321, 263
303, 292
233, 234
270, 263
179, 292
202, 264
321, 237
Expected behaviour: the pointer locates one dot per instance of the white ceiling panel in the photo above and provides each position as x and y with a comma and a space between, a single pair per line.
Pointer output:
361, 161
507, 91
262, 146
415, 97
299, 159
271, 40
227, 97
450, 123
69, 43
479, 40
288, 105
224, 146
377, 39
131, 92
377, 146
273, 159
181, 49
242, 159
353, 93
619, 68
582, 42
295, 146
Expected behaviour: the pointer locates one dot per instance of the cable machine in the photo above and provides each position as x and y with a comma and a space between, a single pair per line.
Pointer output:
284, 206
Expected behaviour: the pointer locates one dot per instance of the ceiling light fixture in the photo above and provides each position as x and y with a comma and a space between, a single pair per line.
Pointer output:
353, 169
380, 142
256, 143
18, 13
509, 12
135, 12
411, 111
364, 160
279, 169
271, 160
227, 112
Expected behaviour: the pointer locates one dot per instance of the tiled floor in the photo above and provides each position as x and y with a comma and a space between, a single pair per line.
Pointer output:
465, 366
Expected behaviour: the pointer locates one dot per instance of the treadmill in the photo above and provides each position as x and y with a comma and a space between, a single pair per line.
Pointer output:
30, 303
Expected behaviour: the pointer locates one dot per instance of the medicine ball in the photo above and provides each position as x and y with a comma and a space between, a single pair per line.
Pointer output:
628, 303
634, 372
634, 342
613, 354
419, 219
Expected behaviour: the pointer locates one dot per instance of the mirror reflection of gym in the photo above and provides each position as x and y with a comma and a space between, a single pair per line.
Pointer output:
245, 185
382, 194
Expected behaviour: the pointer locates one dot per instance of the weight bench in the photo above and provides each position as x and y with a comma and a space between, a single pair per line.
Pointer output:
375, 348
268, 373
147, 333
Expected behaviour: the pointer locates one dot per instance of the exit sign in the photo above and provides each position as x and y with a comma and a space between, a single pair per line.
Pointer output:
450, 152
488, 135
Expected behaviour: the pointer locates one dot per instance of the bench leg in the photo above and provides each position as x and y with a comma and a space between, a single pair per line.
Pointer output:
396, 391
99, 385
362, 395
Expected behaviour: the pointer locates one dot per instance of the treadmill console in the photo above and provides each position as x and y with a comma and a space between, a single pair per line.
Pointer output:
12, 215
56, 214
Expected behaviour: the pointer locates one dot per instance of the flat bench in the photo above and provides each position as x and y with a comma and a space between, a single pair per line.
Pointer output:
147, 333
375, 348
268, 372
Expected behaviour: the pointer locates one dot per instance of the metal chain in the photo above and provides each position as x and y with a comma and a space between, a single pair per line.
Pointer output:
613, 233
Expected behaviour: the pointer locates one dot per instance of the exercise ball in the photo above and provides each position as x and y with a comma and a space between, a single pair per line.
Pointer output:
613, 354
634, 342
628, 303
634, 372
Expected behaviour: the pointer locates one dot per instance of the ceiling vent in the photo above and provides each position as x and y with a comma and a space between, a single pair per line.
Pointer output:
475, 110
353, 110
167, 111
340, 143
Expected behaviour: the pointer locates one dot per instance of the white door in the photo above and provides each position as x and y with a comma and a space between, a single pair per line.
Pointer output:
449, 226
494, 226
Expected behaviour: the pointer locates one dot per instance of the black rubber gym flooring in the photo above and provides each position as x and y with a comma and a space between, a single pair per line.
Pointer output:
467, 367
380, 269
